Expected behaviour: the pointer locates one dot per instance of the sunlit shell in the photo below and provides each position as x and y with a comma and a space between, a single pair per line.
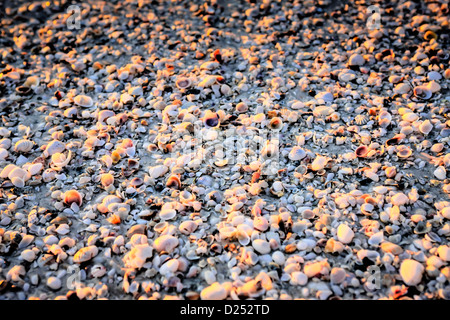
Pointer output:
173, 182
183, 83
404, 151
319, 163
136, 182
390, 172
115, 156
35, 168
187, 227
208, 81
422, 92
211, 119
85, 254
55, 146
166, 243
361, 151
6, 170
361, 119
60, 160
241, 107
186, 197
23, 146
73, 196
83, 101
48, 175
297, 153
275, 124
107, 203
167, 214
105, 114
158, 171
426, 127
19, 173
107, 179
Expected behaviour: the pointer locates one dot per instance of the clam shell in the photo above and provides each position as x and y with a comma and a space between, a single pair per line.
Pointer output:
297, 153
73, 196
165, 243
83, 101
422, 92
23, 146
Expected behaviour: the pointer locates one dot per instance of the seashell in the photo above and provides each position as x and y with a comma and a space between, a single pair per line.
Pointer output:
35, 168
440, 173
422, 92
390, 172
55, 146
17, 174
48, 175
430, 35
186, 197
344, 233
136, 182
107, 179
319, 163
261, 246
211, 119
188, 227
31, 82
426, 127
6, 170
361, 151
83, 101
59, 160
208, 81
183, 83
107, 203
18, 182
173, 182
209, 65
361, 119
277, 189
115, 156
241, 107
158, 171
85, 254
73, 196
23, 145
166, 243
242, 237
404, 151
402, 88
105, 114
167, 214
297, 153
275, 124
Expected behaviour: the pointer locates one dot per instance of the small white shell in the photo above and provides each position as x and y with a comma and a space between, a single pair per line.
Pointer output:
297, 153
167, 214
158, 171
35, 168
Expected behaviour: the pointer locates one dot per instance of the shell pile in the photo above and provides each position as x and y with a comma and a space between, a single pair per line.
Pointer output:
224, 150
